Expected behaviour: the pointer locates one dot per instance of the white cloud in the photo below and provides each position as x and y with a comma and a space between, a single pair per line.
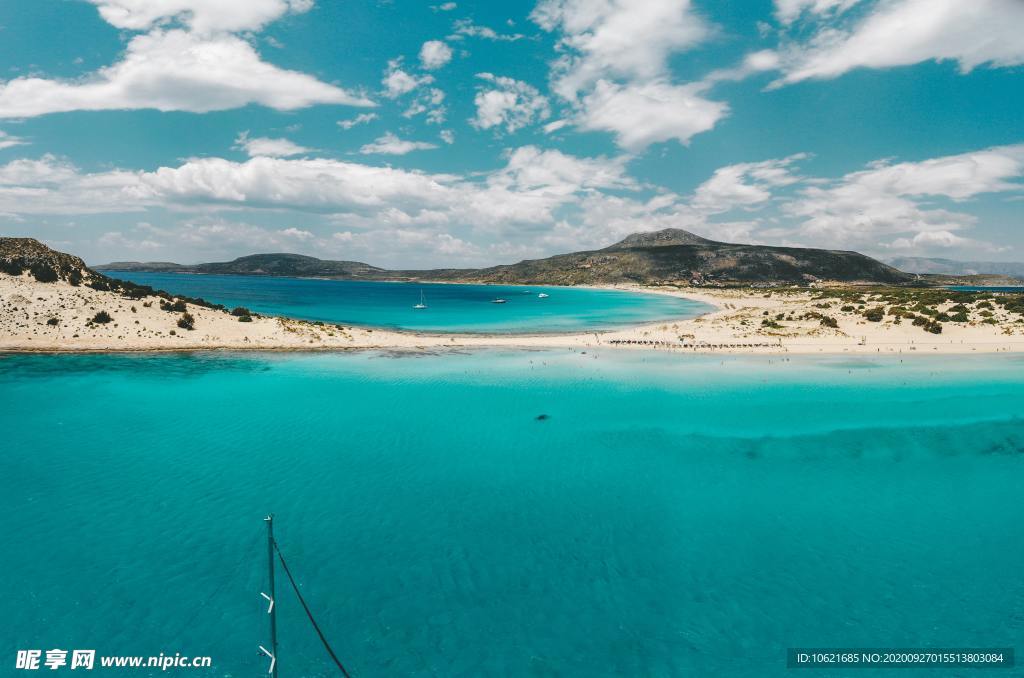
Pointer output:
431, 102
466, 28
275, 148
203, 238
647, 113
360, 119
51, 185
7, 140
955, 176
397, 81
447, 136
297, 233
754, 62
389, 144
617, 38
905, 32
528, 189
511, 104
744, 184
117, 241
201, 16
931, 239
541, 201
175, 71
886, 200
614, 68
395, 243
434, 54
48, 170
444, 7
531, 168
788, 11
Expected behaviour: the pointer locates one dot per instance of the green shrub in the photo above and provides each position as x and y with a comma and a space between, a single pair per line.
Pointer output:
177, 307
240, 311
875, 314
186, 321
53, 322
933, 327
11, 267
847, 308
102, 317
44, 273
828, 321
245, 319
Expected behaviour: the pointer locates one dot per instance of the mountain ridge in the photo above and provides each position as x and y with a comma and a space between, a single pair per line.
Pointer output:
667, 255
942, 266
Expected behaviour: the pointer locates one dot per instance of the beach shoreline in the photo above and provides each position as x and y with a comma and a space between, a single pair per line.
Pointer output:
740, 321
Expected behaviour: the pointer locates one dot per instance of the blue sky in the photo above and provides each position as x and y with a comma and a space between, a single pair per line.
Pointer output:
464, 133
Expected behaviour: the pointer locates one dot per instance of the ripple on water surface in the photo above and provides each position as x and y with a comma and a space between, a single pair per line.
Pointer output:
672, 515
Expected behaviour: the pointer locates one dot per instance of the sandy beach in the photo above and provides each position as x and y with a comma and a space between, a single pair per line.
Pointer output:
57, 316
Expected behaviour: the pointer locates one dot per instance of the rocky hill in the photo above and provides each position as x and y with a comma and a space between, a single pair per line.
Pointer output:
669, 255
952, 267
674, 255
280, 264
21, 255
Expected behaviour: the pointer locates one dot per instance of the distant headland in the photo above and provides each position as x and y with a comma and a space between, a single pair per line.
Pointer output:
667, 256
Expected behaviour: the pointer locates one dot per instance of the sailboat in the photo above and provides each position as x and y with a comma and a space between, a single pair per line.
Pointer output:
423, 302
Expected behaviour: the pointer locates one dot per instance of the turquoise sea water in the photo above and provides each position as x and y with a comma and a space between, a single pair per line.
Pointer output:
974, 288
451, 308
673, 516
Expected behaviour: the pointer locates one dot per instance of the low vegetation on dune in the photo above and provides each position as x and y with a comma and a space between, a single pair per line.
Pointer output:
926, 307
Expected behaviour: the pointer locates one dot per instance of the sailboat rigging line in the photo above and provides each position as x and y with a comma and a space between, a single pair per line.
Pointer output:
308, 613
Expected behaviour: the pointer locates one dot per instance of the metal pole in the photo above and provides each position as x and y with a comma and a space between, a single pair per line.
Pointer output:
273, 608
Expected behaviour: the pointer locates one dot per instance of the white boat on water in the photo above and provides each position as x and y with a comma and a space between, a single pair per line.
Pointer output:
423, 302
500, 301
542, 296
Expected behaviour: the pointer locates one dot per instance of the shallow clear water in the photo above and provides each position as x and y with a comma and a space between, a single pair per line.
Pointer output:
975, 288
672, 516
451, 308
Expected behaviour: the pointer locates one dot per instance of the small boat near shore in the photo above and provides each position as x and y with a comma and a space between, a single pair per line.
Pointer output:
423, 302
499, 300
542, 296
